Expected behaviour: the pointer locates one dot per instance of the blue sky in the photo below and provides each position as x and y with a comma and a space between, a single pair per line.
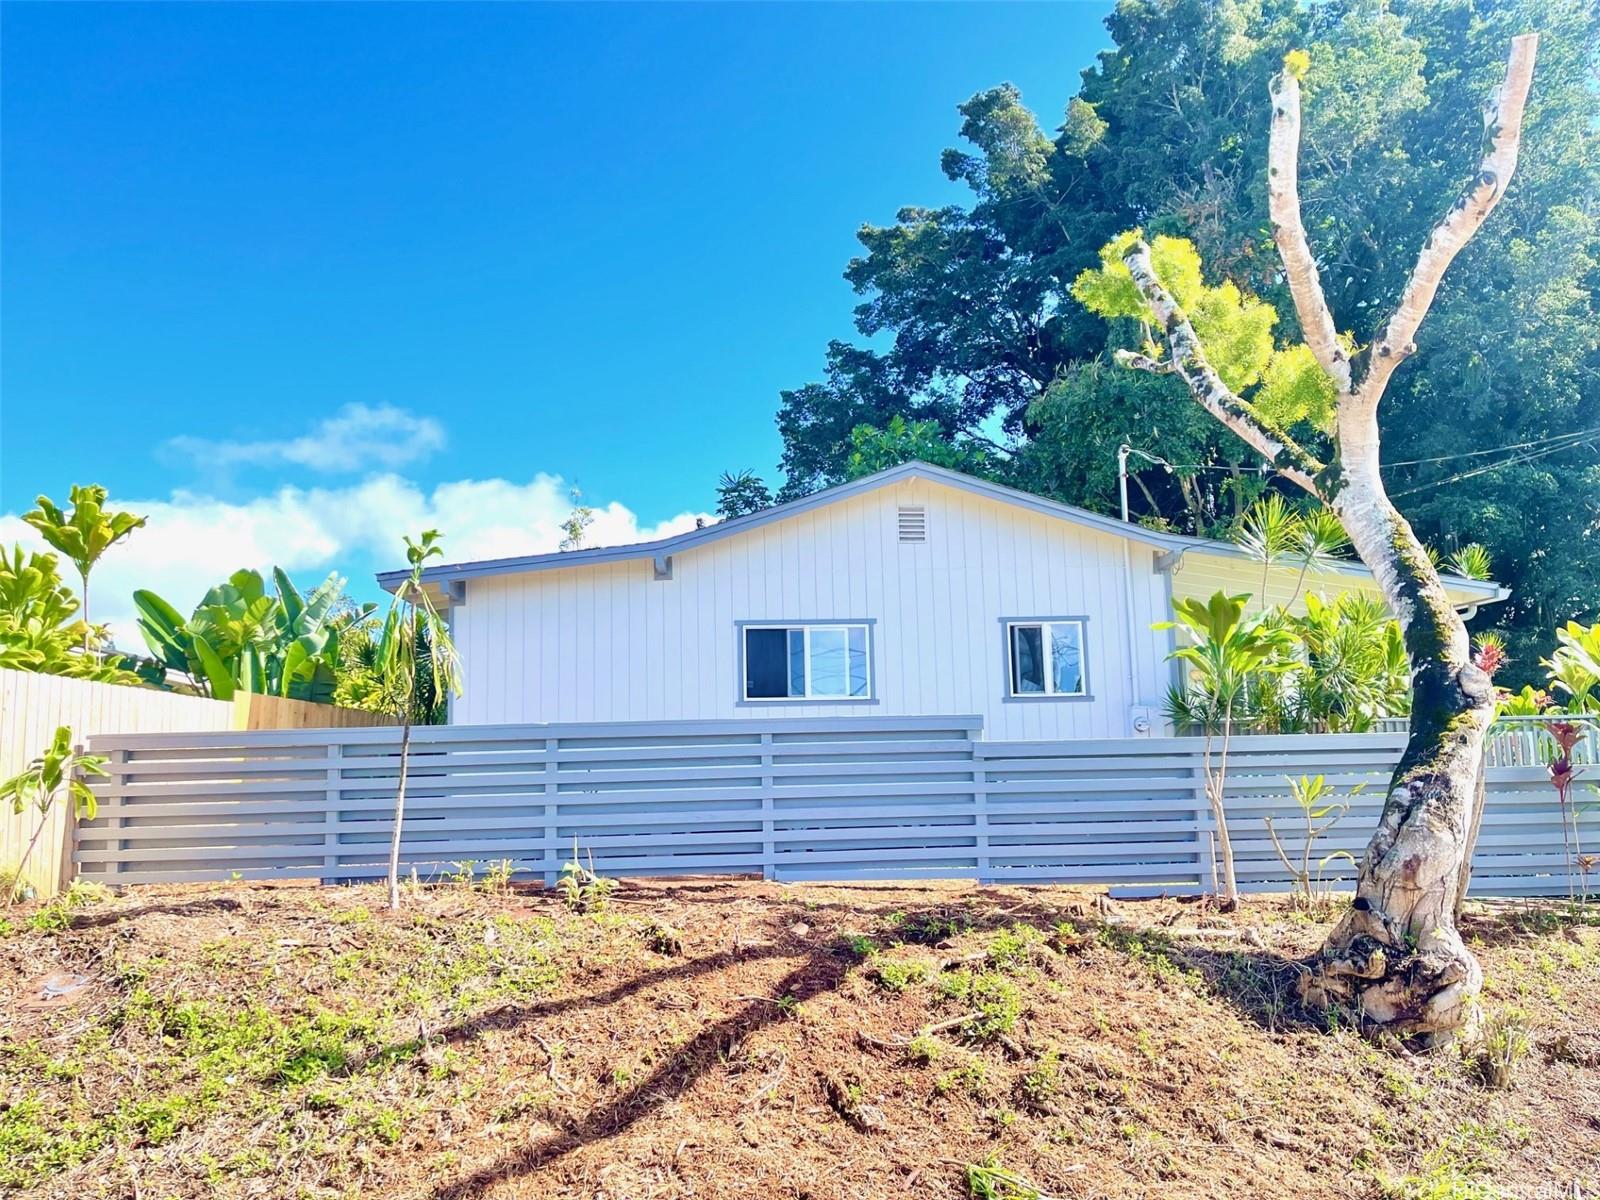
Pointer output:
289, 276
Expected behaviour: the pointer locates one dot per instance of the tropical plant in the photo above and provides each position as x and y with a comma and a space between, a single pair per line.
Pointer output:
1225, 654
1274, 534
62, 768
1347, 668
82, 535
1315, 798
740, 493
1566, 735
360, 682
240, 638
1471, 561
1574, 668
575, 528
413, 622
39, 627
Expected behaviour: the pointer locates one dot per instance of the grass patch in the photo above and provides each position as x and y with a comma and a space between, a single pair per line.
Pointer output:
995, 1000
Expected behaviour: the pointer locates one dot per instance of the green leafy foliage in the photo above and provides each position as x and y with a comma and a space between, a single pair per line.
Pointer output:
740, 493
1315, 798
413, 626
40, 629
1338, 667
1295, 389
1471, 561
240, 638
83, 534
1574, 668
874, 449
973, 324
1225, 651
61, 770
582, 889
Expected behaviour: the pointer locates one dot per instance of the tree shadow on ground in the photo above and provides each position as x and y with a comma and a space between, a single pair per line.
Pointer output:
823, 968
1260, 985
206, 906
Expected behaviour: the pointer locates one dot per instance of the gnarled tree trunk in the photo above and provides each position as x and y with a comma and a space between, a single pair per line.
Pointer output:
1396, 958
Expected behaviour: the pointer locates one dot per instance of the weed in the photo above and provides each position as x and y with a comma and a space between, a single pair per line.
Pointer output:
1012, 948
582, 889
663, 938
898, 976
1440, 1181
1040, 1086
924, 1049
496, 879
860, 946
934, 926
988, 1180
1506, 1042
995, 1000
971, 1078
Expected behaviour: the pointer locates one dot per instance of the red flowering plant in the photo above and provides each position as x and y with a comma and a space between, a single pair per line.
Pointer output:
1574, 671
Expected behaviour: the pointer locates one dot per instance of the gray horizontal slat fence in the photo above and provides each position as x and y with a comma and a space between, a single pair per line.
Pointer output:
812, 799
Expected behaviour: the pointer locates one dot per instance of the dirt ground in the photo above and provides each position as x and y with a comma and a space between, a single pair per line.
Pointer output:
732, 1039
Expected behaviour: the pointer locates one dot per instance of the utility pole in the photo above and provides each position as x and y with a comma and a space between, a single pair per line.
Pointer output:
1122, 475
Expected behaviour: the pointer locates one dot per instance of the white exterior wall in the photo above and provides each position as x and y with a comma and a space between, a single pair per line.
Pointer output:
608, 642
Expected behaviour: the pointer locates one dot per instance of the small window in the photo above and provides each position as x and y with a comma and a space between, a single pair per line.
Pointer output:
913, 523
807, 662
1044, 658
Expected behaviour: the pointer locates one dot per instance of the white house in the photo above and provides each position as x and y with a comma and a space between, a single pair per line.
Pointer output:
917, 591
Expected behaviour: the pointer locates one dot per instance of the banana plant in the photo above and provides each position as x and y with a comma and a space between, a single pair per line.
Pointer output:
241, 638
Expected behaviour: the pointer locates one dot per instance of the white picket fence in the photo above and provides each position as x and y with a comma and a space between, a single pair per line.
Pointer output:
819, 799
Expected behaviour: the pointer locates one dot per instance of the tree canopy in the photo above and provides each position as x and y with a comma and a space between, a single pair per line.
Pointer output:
980, 340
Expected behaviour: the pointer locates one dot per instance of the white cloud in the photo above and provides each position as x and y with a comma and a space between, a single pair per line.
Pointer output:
360, 438
192, 541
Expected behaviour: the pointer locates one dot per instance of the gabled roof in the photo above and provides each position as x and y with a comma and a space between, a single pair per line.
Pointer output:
1174, 544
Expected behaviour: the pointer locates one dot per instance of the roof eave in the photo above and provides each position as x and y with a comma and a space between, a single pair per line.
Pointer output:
678, 543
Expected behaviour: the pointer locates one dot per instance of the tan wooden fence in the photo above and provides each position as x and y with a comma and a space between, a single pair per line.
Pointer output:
33, 706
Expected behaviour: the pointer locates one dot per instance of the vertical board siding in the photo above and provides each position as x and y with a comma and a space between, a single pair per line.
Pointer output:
33, 707
839, 798
610, 642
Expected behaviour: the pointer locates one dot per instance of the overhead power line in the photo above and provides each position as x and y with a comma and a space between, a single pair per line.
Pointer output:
1576, 438
1591, 437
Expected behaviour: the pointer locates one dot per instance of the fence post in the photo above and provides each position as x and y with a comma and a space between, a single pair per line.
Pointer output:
331, 813
549, 859
1205, 831
119, 772
980, 803
769, 848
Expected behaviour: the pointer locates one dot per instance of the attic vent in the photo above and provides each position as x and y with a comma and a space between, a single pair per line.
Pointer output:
913, 523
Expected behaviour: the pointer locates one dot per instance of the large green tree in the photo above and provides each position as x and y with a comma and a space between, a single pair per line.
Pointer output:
974, 329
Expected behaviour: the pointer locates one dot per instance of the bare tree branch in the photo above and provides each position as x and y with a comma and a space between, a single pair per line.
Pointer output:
1283, 201
1503, 137
1187, 360
1143, 362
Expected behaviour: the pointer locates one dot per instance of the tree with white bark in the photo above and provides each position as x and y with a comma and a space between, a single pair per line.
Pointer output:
1396, 958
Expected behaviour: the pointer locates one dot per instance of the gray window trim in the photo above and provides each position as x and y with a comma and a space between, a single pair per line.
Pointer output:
871, 697
1009, 697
